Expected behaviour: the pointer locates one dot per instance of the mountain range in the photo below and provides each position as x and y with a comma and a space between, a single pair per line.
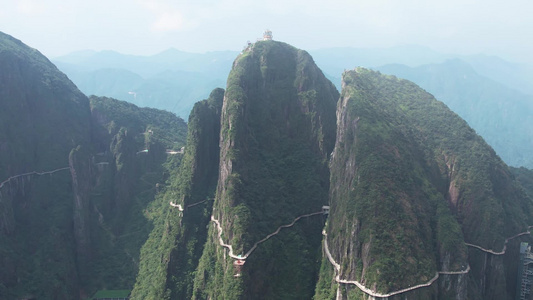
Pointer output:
279, 186
77, 177
477, 87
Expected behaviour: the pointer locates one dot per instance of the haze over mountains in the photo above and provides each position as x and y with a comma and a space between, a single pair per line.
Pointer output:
172, 80
493, 95
287, 187
502, 115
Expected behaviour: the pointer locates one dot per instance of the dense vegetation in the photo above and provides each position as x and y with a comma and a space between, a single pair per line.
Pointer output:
79, 230
146, 123
501, 115
37, 244
408, 182
126, 187
525, 177
170, 255
405, 171
277, 130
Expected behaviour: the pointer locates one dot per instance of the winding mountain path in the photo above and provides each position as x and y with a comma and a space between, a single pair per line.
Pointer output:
232, 255
465, 271
504, 245
180, 208
32, 173
337, 266
374, 293
380, 295
221, 241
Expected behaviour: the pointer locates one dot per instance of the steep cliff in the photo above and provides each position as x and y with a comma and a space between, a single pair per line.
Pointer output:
501, 115
136, 150
43, 117
170, 255
74, 184
416, 194
277, 130
421, 206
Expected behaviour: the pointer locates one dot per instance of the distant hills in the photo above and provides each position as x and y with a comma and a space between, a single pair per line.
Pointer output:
171, 80
334, 61
502, 115
495, 97
285, 189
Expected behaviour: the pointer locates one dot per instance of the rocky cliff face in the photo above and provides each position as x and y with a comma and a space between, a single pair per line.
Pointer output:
66, 199
43, 117
411, 187
421, 207
170, 255
277, 131
129, 168
80, 167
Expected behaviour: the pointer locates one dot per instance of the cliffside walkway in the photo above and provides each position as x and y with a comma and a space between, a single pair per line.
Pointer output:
380, 295
243, 257
32, 173
167, 151
180, 208
377, 294
504, 245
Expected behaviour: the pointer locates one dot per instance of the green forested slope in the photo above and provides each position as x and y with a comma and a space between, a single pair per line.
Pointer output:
501, 115
277, 131
35, 96
43, 116
525, 177
170, 255
124, 188
66, 234
410, 183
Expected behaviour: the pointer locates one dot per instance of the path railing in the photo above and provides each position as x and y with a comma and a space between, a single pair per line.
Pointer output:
32, 173
180, 208
504, 244
380, 295
243, 257
337, 266
377, 294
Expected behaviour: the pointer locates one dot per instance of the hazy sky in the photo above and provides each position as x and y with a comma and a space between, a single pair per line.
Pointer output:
56, 27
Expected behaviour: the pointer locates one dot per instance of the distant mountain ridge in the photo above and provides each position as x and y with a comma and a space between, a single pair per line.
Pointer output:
502, 115
132, 75
420, 205
286, 189
172, 80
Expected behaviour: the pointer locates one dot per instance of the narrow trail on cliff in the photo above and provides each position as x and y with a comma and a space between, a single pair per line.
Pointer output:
374, 293
32, 173
428, 283
504, 244
243, 257
180, 208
